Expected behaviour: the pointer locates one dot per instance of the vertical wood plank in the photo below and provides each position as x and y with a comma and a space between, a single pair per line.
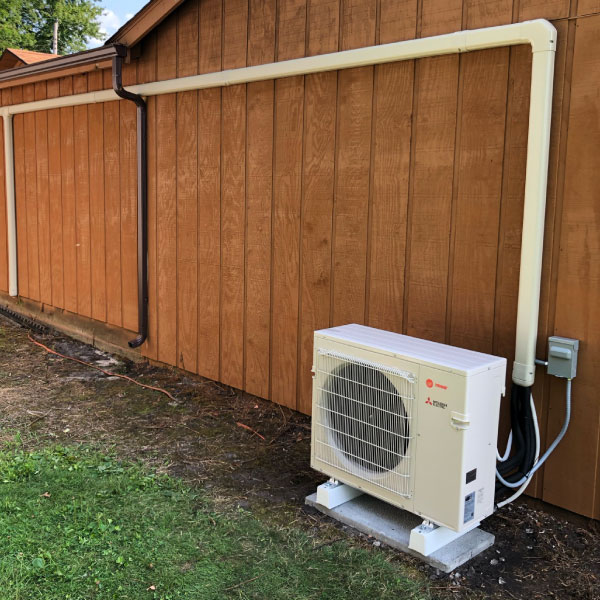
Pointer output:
82, 209
232, 235
128, 172
166, 231
431, 197
259, 194
67, 162
432, 167
211, 26
147, 61
291, 29
56, 212
478, 199
187, 232
112, 212
166, 195
397, 20
31, 194
388, 219
166, 60
578, 292
43, 205
287, 207
150, 348
97, 212
543, 9
209, 231
440, 16
235, 36
317, 221
261, 31
187, 39
358, 23
21, 204
353, 156
487, 13
323, 27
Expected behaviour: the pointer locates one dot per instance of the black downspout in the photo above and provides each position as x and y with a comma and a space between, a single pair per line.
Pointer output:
142, 197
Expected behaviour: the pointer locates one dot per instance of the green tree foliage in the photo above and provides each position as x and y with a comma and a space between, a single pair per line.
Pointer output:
28, 24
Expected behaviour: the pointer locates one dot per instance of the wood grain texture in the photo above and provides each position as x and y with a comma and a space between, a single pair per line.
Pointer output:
235, 35
112, 212
434, 135
544, 9
187, 230
233, 195
487, 13
166, 60
128, 174
67, 161
352, 183
209, 232
259, 196
287, 198
166, 229
479, 186
291, 29
389, 195
211, 26
33, 260
261, 31
187, 38
323, 26
43, 204
82, 209
97, 214
397, 20
358, 23
441, 16
56, 216
317, 222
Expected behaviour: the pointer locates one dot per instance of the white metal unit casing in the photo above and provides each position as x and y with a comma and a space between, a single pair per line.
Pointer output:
412, 422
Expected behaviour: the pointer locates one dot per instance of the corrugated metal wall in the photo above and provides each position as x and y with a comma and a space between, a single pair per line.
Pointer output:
390, 196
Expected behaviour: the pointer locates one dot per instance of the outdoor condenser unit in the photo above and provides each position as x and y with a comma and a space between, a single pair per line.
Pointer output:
409, 421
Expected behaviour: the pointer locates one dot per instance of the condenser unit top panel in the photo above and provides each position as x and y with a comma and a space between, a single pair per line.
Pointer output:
441, 356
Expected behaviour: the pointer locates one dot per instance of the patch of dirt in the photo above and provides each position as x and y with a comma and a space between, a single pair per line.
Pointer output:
255, 454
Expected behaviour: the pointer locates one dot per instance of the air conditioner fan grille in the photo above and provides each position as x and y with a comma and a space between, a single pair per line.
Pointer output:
363, 424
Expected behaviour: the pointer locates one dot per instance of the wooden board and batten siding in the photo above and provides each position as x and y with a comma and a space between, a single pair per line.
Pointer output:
388, 195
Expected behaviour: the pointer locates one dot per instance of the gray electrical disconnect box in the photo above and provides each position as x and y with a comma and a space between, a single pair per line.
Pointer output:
562, 356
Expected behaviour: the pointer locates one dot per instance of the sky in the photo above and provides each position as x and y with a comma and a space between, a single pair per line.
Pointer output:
115, 14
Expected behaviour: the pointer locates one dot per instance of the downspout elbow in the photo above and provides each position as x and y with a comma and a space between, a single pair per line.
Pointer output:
142, 197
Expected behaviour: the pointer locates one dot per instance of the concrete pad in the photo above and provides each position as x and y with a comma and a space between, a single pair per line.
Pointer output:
392, 526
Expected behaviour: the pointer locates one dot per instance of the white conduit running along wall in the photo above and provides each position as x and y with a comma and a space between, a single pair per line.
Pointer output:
539, 34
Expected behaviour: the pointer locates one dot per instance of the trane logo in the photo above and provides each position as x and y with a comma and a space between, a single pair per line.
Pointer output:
430, 383
436, 403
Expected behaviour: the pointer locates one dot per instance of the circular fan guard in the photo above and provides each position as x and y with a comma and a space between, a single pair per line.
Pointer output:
367, 417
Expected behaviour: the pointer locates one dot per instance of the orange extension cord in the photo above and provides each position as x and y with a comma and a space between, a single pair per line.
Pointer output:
109, 373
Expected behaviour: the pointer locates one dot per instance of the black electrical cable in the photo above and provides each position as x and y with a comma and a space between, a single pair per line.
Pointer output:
524, 444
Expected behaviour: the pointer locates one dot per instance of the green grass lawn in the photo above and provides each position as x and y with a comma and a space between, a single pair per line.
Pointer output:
77, 524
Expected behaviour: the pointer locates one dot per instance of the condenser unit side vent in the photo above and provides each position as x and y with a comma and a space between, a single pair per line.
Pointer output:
364, 423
